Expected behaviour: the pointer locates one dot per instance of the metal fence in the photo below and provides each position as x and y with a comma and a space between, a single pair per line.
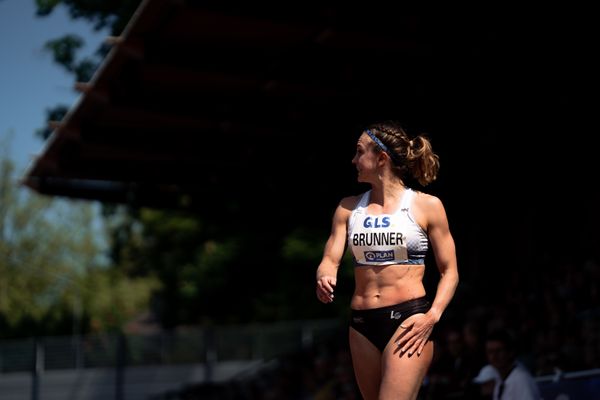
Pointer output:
573, 385
49, 367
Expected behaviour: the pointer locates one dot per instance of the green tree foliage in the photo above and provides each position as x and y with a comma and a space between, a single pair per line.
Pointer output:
63, 50
54, 114
301, 253
114, 14
220, 272
197, 262
54, 276
111, 15
148, 242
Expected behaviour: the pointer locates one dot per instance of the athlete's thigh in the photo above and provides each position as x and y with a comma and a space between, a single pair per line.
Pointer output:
366, 361
401, 375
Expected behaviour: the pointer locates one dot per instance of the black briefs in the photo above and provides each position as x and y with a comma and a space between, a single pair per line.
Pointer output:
379, 324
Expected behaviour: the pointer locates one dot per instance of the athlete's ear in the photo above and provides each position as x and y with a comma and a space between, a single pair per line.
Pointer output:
382, 158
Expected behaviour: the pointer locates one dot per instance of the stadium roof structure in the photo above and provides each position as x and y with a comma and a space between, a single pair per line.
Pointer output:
215, 103
198, 97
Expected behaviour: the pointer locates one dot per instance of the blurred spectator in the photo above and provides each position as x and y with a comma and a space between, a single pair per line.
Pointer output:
516, 382
484, 383
457, 362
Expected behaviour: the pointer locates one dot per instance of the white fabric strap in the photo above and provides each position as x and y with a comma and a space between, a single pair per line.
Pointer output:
406, 199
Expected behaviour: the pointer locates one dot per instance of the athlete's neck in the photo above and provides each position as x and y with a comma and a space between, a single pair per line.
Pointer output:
387, 193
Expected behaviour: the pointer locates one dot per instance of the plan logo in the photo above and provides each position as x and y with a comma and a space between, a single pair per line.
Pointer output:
378, 256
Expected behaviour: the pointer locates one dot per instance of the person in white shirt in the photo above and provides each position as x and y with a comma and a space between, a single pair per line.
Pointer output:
516, 382
486, 381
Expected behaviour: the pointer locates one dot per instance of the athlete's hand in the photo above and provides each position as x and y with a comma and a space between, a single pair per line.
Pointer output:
414, 333
325, 287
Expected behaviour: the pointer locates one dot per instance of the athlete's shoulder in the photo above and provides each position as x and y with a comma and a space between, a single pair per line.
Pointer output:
350, 202
428, 201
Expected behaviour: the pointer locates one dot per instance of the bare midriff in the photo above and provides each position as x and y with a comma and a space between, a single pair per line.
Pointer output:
381, 286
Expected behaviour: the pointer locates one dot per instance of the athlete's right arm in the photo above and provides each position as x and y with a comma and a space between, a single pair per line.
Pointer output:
333, 252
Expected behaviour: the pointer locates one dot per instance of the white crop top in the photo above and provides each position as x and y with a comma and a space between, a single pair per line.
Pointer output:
386, 239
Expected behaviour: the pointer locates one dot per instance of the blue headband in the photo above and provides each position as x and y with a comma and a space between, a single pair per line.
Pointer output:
380, 144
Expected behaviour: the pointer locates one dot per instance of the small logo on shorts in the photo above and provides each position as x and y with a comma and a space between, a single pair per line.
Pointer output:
395, 314
358, 320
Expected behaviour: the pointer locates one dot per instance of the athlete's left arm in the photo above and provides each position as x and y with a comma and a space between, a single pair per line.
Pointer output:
418, 328
442, 244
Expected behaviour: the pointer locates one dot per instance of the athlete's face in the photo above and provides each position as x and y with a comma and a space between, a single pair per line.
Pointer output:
365, 159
